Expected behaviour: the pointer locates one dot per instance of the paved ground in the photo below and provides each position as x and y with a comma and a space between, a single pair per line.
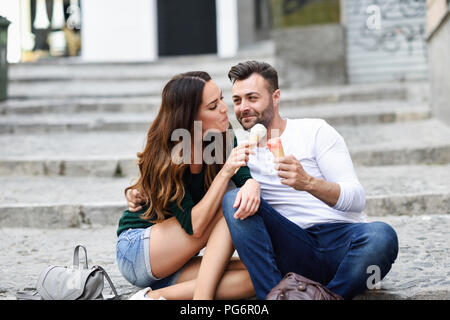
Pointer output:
422, 269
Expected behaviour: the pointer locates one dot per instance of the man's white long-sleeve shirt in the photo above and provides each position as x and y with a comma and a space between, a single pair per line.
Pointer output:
323, 154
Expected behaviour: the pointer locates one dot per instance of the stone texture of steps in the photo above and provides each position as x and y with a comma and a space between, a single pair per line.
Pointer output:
412, 91
49, 90
421, 270
78, 79
114, 153
406, 189
20, 74
85, 88
69, 69
61, 202
401, 143
50, 202
77, 105
335, 114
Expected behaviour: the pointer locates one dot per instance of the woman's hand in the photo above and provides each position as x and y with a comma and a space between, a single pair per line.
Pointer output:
248, 199
134, 200
237, 158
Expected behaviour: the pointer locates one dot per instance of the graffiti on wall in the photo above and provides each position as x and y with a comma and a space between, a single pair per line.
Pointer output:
390, 24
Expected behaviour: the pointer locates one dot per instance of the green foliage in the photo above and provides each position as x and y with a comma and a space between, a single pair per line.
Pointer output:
288, 13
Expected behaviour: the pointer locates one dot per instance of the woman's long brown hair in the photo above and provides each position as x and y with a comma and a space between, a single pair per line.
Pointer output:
161, 180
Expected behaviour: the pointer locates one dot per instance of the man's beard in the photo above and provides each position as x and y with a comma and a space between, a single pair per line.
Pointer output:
265, 118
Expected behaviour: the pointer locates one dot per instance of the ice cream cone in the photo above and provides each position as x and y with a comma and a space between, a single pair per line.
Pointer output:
276, 147
257, 132
253, 141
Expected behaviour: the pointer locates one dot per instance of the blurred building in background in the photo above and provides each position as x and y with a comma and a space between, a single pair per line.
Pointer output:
351, 41
136, 30
42, 28
316, 42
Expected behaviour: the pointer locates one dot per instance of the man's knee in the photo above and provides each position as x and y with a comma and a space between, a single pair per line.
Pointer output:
227, 203
384, 238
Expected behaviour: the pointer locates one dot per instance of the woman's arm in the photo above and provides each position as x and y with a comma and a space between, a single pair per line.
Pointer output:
196, 218
203, 212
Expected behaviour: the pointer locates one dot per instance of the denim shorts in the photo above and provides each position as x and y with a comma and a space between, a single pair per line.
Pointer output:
133, 260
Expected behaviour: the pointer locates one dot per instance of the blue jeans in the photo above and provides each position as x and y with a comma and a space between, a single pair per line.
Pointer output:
337, 255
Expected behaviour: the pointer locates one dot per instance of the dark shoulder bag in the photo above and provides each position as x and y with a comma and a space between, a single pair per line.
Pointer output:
295, 287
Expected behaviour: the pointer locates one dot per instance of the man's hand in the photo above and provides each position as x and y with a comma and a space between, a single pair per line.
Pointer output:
247, 199
293, 174
134, 200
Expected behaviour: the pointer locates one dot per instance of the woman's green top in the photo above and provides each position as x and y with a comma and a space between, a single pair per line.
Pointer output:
194, 186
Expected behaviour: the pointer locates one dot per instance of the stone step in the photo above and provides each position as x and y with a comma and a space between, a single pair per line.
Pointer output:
335, 114
78, 79
55, 202
149, 103
79, 105
421, 270
419, 142
27, 73
114, 153
93, 88
411, 91
74, 68
49, 91
74, 201
406, 189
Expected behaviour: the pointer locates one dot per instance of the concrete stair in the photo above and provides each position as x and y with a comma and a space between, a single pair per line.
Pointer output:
72, 201
114, 153
117, 119
70, 133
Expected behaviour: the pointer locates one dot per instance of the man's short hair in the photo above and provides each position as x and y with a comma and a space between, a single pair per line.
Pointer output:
243, 70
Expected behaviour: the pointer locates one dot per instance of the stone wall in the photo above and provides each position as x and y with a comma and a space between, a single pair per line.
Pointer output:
311, 56
439, 56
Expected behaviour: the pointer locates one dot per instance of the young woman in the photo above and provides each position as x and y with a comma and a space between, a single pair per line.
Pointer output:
179, 204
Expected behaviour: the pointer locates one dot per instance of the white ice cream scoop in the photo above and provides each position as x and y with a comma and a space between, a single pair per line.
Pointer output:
257, 132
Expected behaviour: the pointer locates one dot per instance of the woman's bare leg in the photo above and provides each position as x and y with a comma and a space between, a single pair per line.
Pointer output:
171, 247
234, 284
216, 257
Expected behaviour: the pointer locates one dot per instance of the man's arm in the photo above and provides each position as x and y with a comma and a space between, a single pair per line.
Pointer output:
296, 177
340, 187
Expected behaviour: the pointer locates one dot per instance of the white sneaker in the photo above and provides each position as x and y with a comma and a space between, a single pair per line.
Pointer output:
142, 295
